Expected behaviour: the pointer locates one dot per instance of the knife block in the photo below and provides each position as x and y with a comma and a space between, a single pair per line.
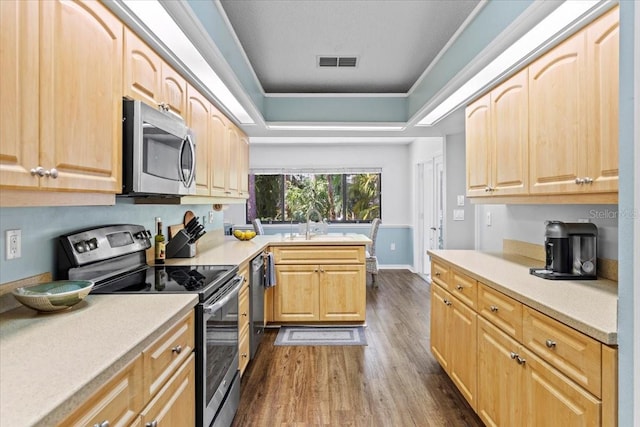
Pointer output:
179, 246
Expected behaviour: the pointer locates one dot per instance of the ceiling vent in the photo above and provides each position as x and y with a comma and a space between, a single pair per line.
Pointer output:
338, 61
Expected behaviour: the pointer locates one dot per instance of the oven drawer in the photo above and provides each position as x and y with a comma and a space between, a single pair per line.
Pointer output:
162, 358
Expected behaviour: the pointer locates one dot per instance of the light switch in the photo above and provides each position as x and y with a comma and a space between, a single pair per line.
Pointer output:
488, 221
461, 200
458, 214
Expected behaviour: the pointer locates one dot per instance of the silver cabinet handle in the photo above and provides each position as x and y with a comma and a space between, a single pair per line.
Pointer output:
153, 423
520, 360
244, 314
53, 173
102, 424
244, 355
38, 171
588, 180
459, 287
493, 308
580, 181
177, 349
487, 189
437, 274
446, 301
550, 343
513, 355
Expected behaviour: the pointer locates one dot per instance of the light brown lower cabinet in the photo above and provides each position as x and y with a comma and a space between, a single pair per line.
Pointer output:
517, 366
515, 387
319, 284
158, 385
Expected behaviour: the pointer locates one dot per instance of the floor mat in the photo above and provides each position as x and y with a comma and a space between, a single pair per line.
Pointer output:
300, 335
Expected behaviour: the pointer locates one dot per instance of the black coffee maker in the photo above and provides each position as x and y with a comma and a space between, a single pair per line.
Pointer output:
570, 249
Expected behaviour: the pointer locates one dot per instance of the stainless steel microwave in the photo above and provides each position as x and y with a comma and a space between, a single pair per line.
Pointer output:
159, 154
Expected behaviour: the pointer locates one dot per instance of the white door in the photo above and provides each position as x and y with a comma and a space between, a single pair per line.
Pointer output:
437, 226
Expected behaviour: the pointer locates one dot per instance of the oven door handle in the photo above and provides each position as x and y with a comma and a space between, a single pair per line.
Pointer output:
210, 309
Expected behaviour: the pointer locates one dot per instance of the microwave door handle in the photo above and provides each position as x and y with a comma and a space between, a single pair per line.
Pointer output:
192, 148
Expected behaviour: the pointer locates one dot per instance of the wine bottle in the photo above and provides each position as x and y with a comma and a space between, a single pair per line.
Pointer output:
159, 239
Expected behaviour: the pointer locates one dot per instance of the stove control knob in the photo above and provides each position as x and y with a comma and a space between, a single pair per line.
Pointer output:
92, 244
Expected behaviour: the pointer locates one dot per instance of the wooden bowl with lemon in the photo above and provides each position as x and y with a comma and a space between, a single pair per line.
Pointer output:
244, 235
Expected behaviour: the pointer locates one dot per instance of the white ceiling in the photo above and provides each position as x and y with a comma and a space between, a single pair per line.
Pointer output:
395, 41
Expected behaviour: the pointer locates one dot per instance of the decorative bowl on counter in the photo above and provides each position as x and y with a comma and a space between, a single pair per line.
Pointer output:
53, 296
244, 235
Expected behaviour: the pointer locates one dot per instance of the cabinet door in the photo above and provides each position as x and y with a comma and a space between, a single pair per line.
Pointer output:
174, 90
553, 399
233, 168
117, 402
142, 70
19, 109
81, 96
175, 403
297, 293
602, 77
500, 378
478, 150
510, 136
243, 167
198, 121
463, 350
557, 119
220, 153
342, 292
439, 335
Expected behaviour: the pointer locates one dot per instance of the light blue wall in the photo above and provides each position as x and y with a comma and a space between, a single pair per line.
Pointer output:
628, 220
42, 225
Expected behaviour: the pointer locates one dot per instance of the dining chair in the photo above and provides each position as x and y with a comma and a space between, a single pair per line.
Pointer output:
257, 226
370, 254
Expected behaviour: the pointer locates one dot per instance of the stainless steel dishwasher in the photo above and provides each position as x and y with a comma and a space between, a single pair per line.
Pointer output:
256, 308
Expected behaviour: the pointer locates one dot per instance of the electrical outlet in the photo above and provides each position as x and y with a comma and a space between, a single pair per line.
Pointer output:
14, 244
210, 217
393, 247
488, 220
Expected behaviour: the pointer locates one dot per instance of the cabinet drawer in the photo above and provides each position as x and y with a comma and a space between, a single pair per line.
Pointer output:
319, 255
243, 307
117, 402
440, 273
464, 288
574, 354
501, 310
166, 354
243, 349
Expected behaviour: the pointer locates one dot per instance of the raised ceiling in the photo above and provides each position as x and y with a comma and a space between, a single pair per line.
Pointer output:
394, 41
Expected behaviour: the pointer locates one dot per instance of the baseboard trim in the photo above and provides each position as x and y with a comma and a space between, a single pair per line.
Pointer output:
396, 267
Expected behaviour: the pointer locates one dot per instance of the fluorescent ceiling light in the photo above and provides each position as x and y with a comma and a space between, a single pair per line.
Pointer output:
155, 17
340, 127
541, 34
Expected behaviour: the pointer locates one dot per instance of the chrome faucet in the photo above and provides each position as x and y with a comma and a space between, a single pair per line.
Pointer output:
310, 212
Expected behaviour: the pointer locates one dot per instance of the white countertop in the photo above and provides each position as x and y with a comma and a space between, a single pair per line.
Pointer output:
234, 251
589, 306
50, 363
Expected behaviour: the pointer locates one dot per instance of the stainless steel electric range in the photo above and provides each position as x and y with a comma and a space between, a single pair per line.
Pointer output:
114, 258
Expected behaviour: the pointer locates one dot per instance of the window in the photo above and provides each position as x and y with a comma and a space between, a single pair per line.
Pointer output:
339, 197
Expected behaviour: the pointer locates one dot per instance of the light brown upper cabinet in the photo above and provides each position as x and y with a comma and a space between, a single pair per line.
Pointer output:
148, 78
220, 153
65, 132
551, 130
198, 110
497, 140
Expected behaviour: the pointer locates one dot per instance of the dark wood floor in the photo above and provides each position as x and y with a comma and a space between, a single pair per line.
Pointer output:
394, 381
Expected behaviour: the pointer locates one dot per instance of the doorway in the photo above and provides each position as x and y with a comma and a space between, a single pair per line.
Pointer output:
430, 218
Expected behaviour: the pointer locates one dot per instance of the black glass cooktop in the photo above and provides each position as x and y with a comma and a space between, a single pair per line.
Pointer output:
201, 279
